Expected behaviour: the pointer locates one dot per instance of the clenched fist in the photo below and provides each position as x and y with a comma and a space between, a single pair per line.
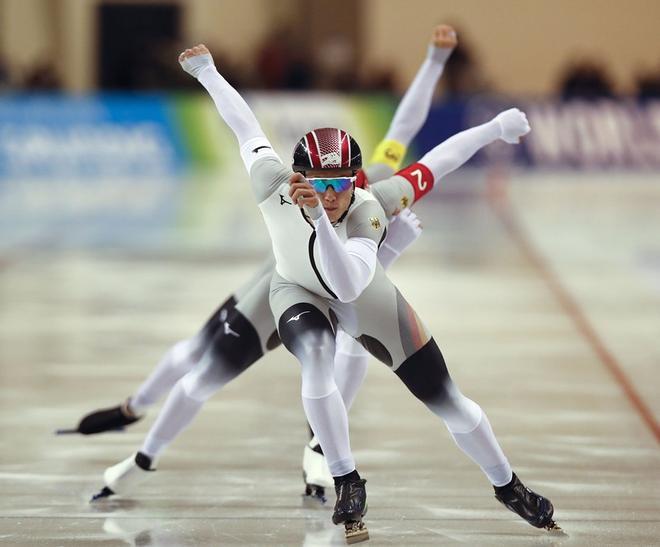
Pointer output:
302, 192
444, 36
196, 59
513, 125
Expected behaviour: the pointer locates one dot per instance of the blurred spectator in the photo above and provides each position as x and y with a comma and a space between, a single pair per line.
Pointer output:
648, 85
42, 77
380, 79
464, 74
4, 75
335, 60
282, 63
586, 80
159, 68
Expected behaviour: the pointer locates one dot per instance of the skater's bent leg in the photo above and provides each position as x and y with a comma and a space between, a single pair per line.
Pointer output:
311, 339
227, 357
179, 360
177, 413
351, 361
425, 375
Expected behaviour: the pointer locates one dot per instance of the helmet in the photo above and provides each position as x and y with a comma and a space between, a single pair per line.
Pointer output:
327, 148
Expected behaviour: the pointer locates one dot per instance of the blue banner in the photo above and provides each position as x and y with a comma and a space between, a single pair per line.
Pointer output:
90, 170
565, 135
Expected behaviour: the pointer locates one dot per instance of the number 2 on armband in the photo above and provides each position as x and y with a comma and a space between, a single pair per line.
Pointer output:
421, 183
420, 178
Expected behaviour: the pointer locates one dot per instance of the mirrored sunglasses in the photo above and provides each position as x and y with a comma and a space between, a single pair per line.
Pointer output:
338, 184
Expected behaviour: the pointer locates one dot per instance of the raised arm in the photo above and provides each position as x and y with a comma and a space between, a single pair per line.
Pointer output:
414, 107
416, 180
236, 113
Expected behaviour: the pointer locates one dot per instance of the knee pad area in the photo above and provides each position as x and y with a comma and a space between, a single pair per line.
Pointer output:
181, 355
236, 344
315, 352
300, 319
206, 380
425, 374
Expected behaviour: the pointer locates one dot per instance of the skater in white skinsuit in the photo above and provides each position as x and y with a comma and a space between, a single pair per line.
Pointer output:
199, 366
325, 244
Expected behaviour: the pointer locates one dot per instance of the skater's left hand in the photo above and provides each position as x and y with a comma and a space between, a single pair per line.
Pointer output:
302, 192
513, 125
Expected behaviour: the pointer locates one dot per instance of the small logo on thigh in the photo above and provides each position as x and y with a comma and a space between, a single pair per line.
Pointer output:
296, 317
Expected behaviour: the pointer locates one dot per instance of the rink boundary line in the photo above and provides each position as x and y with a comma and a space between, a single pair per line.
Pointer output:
498, 199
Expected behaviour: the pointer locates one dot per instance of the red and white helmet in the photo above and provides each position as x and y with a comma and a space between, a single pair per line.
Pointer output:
327, 148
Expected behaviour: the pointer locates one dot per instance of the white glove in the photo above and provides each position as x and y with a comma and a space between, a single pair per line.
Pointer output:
513, 125
194, 65
402, 231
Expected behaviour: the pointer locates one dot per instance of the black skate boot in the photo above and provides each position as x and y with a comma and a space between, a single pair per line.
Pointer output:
532, 507
106, 419
350, 507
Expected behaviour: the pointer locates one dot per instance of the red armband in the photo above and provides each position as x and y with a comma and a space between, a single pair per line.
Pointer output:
420, 177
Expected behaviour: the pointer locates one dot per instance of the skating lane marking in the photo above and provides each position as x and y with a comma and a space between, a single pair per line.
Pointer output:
498, 199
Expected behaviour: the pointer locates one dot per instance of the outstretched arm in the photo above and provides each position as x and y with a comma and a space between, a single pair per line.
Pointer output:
197, 62
414, 107
416, 180
449, 155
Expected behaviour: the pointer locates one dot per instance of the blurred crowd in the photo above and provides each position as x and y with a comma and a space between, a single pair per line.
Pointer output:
282, 62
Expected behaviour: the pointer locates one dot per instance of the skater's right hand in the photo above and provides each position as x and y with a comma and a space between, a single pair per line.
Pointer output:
302, 192
513, 125
194, 60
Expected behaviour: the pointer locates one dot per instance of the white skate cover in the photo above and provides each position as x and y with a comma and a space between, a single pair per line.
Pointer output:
124, 477
315, 468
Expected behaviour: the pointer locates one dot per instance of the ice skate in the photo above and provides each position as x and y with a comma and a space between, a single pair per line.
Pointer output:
124, 477
106, 419
316, 474
529, 505
350, 507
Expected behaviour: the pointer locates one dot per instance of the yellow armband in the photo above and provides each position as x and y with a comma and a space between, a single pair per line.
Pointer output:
390, 153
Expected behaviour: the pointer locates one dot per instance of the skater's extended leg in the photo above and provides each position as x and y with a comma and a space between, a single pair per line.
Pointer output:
226, 358
425, 375
175, 363
178, 360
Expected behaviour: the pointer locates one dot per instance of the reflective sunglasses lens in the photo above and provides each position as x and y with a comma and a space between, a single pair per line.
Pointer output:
338, 184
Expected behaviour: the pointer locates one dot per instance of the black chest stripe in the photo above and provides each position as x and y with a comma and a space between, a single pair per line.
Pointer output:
382, 238
312, 239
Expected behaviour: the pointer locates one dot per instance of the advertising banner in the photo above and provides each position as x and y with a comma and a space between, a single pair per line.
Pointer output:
163, 171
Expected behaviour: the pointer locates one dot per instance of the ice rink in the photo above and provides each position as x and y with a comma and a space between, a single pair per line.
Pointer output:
542, 291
